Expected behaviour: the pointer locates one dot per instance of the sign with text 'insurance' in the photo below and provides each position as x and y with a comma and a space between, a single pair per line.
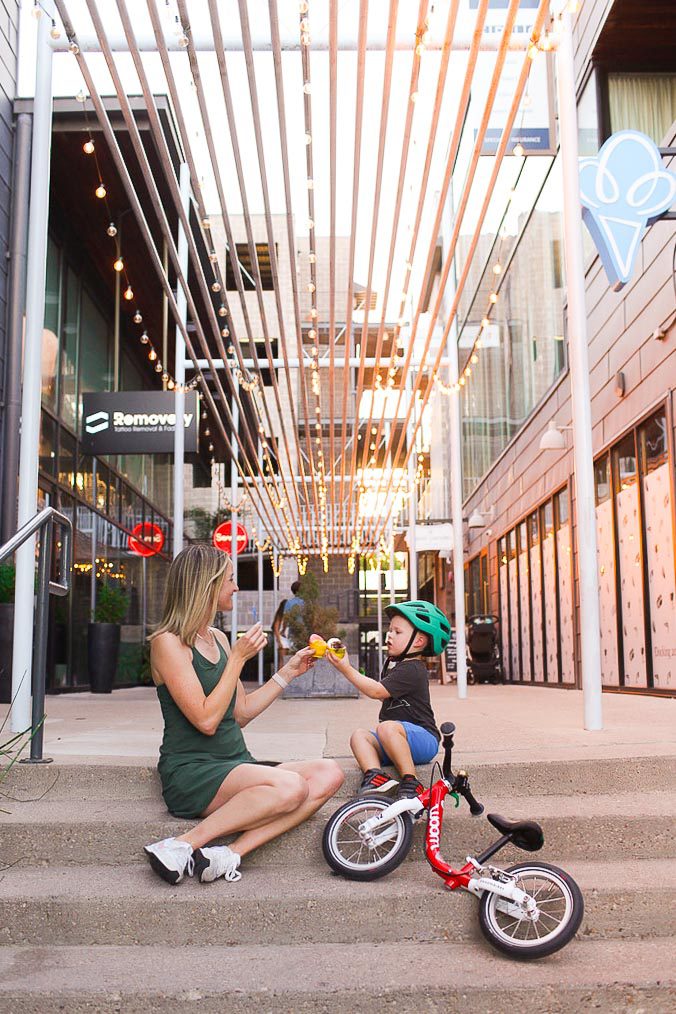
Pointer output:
137, 422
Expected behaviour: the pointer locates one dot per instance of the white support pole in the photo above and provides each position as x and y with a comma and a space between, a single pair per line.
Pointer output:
275, 647
380, 615
583, 455
179, 429
455, 410
36, 266
412, 506
260, 582
233, 516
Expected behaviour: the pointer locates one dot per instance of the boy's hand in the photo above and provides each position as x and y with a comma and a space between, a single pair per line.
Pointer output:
341, 664
298, 664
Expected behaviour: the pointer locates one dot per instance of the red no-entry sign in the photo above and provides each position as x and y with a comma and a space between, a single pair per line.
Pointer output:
222, 538
146, 539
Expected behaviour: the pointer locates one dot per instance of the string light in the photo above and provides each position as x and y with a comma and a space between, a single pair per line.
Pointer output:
128, 293
112, 230
88, 147
100, 191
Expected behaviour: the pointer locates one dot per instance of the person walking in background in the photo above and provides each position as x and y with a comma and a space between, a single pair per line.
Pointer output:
279, 631
295, 599
205, 767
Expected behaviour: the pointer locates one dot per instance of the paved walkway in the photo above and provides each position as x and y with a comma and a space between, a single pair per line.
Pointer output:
503, 723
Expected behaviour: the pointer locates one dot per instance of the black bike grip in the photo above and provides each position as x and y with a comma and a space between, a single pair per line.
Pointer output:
475, 807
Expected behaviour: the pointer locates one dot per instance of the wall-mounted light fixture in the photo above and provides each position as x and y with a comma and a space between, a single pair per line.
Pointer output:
553, 439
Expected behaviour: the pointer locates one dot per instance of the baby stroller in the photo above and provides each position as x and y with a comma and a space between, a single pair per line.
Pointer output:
484, 662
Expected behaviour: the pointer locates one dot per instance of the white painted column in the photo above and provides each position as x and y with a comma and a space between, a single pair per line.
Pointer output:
380, 615
233, 517
455, 411
412, 504
36, 266
179, 429
585, 510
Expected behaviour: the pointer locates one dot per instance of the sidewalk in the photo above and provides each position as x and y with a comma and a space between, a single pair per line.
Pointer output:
494, 724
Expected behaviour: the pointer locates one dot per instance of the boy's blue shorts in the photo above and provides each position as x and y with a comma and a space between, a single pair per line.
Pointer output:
423, 745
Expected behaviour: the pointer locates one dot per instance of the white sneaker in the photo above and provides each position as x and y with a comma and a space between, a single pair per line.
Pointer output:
171, 859
215, 862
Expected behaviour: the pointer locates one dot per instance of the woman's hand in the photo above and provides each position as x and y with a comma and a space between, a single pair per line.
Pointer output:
248, 645
298, 664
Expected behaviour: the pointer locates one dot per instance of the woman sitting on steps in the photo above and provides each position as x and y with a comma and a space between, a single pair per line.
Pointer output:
205, 767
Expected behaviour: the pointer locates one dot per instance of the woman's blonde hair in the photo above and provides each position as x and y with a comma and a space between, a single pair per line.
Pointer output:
191, 595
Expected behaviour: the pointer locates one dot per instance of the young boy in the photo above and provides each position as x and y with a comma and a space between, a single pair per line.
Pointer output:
407, 732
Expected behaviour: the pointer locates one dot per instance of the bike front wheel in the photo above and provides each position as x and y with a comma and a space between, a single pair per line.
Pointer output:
348, 854
560, 906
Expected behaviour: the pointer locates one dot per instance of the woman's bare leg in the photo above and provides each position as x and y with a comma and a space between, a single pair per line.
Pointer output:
323, 779
250, 795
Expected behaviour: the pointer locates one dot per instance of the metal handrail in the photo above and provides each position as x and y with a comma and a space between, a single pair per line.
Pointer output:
43, 522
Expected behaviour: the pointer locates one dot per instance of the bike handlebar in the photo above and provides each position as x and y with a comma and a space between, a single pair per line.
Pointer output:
475, 807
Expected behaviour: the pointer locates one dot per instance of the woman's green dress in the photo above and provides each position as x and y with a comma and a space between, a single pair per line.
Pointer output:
192, 765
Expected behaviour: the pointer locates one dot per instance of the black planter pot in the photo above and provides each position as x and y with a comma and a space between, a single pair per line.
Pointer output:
6, 649
103, 648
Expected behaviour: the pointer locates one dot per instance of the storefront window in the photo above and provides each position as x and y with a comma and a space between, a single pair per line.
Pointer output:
69, 350
50, 340
645, 102
47, 460
629, 562
93, 357
523, 348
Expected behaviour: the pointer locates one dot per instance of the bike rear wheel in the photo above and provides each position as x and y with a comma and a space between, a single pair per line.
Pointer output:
561, 908
346, 852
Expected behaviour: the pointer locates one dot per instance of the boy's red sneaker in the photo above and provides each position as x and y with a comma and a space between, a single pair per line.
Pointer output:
375, 780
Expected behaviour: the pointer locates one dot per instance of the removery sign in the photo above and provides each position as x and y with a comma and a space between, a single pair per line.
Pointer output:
137, 422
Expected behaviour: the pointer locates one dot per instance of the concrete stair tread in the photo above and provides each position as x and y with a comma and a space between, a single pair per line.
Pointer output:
580, 777
134, 880
630, 805
261, 974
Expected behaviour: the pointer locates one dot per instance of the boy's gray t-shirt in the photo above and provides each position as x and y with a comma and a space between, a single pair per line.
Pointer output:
408, 685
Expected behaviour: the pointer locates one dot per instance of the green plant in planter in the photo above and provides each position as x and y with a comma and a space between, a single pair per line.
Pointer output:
7, 580
112, 603
312, 618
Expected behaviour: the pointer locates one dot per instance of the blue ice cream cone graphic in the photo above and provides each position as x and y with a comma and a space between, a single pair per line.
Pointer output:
623, 191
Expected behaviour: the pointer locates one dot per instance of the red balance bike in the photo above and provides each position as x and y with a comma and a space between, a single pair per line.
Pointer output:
527, 911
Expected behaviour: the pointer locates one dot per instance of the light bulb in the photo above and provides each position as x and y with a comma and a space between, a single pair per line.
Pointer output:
215, 286
152, 355
73, 47
485, 322
170, 384
144, 338
222, 312
100, 191
312, 258
231, 350
81, 97
213, 257
128, 293
165, 377
414, 96
305, 39
497, 268
307, 87
137, 317
519, 150
493, 297
311, 287
303, 7
55, 33
310, 223
183, 41
37, 11
119, 264
159, 368
308, 138
112, 229
310, 184
225, 333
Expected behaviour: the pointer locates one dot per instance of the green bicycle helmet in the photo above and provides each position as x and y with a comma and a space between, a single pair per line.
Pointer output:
426, 618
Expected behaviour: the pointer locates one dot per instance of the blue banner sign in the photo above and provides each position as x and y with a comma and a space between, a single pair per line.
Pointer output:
624, 189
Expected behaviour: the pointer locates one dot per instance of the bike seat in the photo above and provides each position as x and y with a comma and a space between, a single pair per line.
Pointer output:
447, 729
525, 834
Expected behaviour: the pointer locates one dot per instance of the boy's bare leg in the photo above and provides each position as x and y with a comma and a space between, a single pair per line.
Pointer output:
393, 738
364, 746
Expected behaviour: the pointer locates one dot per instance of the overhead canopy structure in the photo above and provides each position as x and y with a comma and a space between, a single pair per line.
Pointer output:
365, 125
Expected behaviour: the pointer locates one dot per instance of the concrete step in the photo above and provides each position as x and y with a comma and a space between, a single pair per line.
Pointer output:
579, 777
48, 832
609, 975
128, 905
